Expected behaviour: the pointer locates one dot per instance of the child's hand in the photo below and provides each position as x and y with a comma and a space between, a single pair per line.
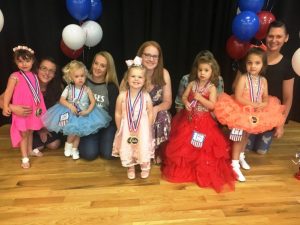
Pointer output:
83, 113
72, 108
198, 96
260, 105
6, 111
188, 106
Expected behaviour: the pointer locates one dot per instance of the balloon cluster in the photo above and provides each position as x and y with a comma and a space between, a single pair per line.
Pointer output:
1, 20
250, 23
89, 33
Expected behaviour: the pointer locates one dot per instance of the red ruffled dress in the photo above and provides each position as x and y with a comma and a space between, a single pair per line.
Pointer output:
209, 165
229, 112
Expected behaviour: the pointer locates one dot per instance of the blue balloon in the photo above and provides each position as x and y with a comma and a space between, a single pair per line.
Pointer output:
95, 9
79, 9
251, 5
245, 25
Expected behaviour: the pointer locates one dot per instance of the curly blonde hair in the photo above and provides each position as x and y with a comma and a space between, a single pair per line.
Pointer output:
69, 69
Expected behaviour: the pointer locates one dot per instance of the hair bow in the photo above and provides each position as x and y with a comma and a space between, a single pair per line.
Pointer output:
22, 47
136, 62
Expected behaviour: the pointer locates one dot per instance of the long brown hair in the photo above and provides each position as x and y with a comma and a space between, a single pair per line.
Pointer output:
200, 59
157, 77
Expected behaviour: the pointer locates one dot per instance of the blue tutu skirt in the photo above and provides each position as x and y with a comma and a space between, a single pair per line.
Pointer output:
59, 118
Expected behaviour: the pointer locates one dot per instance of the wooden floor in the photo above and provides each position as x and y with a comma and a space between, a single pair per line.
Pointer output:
57, 190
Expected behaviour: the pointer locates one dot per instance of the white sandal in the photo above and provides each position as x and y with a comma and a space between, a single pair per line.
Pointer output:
36, 152
25, 163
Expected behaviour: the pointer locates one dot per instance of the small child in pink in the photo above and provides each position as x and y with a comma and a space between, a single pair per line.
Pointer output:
23, 89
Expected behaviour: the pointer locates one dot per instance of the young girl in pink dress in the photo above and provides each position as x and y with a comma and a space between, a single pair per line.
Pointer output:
23, 89
197, 150
133, 140
250, 110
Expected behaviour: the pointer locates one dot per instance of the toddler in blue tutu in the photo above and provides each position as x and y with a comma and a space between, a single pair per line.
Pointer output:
75, 115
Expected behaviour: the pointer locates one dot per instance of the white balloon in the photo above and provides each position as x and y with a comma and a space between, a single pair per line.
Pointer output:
93, 31
74, 36
1, 20
296, 61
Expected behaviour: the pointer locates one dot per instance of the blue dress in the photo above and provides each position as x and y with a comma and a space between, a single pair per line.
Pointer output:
60, 118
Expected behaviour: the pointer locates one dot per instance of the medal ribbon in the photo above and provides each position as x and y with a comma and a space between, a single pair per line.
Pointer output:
35, 91
254, 98
73, 93
133, 125
200, 90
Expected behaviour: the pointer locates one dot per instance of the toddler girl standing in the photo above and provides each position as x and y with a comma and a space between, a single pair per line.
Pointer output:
75, 115
23, 89
133, 141
197, 150
251, 110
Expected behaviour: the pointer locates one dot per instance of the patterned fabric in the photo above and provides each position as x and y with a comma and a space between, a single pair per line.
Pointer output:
162, 124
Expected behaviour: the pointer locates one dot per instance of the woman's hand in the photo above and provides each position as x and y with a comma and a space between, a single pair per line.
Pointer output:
19, 110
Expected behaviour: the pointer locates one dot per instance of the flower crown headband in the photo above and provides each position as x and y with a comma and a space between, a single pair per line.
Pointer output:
22, 47
137, 62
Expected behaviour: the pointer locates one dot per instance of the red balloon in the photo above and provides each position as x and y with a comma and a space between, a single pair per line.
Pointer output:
73, 54
235, 48
265, 18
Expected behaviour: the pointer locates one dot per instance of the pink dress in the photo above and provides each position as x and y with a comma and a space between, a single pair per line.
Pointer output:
23, 96
229, 112
143, 151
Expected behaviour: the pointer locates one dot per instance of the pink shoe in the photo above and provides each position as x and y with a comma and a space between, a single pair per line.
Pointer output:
131, 173
145, 174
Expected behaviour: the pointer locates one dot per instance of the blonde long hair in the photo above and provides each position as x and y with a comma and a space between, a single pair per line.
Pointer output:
111, 74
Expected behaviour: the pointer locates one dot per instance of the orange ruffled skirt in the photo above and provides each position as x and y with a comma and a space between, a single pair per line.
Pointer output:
234, 115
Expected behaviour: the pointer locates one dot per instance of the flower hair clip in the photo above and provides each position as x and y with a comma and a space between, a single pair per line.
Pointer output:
136, 62
22, 47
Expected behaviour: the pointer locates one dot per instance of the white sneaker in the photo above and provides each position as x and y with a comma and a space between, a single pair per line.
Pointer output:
75, 153
236, 168
243, 162
68, 149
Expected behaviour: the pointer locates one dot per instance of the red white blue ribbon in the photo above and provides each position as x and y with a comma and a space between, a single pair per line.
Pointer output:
34, 90
254, 97
199, 90
133, 125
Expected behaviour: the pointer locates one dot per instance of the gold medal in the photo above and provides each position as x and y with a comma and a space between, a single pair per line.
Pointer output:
253, 120
38, 112
133, 140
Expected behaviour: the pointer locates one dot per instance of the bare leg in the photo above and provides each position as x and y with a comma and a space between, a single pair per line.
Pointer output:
24, 150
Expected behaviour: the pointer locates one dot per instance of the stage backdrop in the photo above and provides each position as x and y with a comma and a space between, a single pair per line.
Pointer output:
182, 27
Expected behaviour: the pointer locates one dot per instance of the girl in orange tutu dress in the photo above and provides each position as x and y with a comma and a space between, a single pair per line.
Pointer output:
250, 110
197, 150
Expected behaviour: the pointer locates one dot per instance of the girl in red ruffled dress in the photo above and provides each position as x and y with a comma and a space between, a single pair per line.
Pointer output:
250, 110
197, 150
